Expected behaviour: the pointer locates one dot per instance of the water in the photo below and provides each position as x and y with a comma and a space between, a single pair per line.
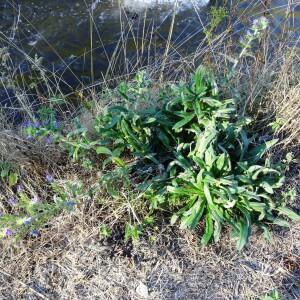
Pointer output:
63, 32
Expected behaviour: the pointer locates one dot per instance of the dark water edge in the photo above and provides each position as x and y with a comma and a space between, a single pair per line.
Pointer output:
60, 31
62, 34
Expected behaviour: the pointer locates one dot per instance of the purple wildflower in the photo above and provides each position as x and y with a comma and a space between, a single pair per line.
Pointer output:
20, 188
27, 124
45, 123
49, 178
29, 137
12, 201
37, 124
28, 221
243, 40
35, 233
49, 139
8, 232
35, 199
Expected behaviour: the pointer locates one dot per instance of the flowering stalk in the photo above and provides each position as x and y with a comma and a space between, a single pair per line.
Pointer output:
258, 27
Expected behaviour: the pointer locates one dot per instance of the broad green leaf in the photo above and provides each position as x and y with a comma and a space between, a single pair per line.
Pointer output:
212, 102
114, 121
216, 213
243, 235
230, 204
182, 191
204, 140
289, 213
244, 145
199, 161
13, 179
265, 171
150, 120
267, 187
191, 218
209, 230
244, 179
210, 156
207, 194
4, 173
199, 80
258, 152
118, 161
267, 233
164, 138
182, 161
281, 222
103, 150
254, 168
183, 122
220, 162
224, 113
217, 231
258, 206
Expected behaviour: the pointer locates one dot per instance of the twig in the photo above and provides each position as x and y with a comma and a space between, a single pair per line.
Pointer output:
25, 285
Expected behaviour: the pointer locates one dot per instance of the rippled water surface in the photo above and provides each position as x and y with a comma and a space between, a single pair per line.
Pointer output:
63, 32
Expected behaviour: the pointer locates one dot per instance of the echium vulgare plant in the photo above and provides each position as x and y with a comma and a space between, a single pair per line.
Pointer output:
209, 167
25, 214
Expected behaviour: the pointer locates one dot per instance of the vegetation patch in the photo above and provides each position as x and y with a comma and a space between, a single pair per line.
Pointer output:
183, 149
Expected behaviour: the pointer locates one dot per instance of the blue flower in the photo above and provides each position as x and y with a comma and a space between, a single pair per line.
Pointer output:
249, 33
8, 232
49, 139
27, 124
49, 178
12, 201
29, 137
35, 199
45, 123
35, 233
20, 188
37, 124
28, 221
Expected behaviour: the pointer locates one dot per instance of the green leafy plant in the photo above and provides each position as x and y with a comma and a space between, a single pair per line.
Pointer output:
210, 168
274, 295
132, 231
104, 231
31, 213
29, 216
189, 152
8, 173
114, 181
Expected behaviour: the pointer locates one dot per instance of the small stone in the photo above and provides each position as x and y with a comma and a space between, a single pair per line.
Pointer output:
142, 290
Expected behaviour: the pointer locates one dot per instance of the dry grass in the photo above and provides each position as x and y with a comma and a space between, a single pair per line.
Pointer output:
70, 262
284, 97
